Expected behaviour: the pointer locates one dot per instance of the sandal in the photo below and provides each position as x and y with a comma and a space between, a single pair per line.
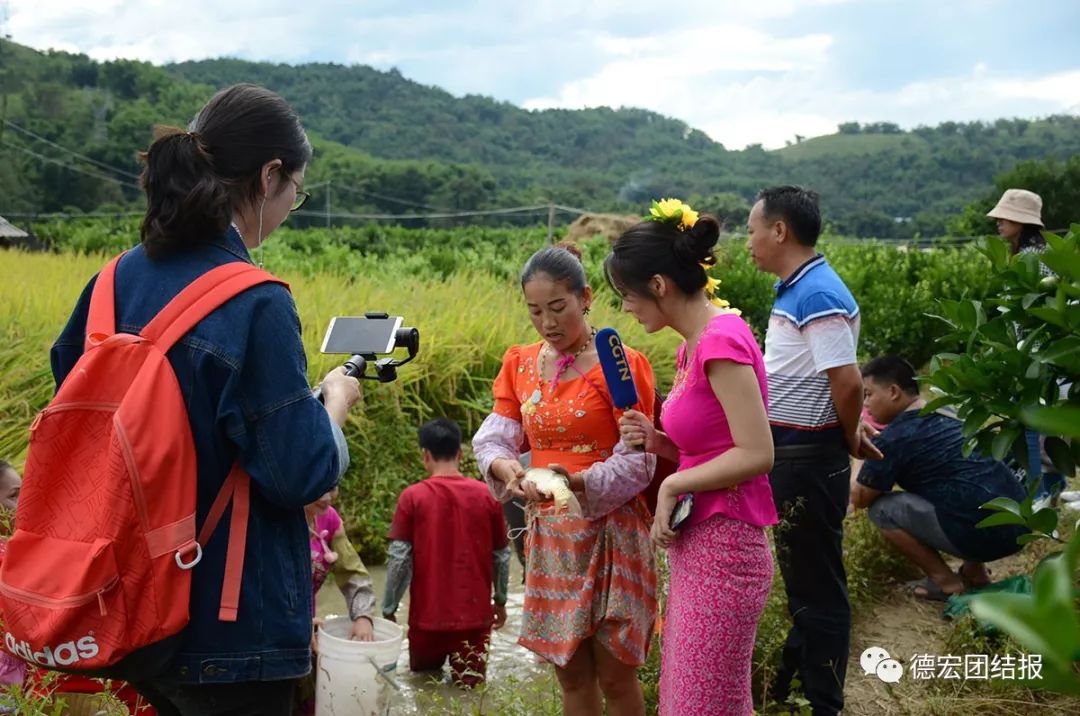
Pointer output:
931, 591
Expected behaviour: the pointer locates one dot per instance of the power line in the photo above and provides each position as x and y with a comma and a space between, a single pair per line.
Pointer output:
72, 167
338, 215
385, 197
439, 215
573, 209
920, 243
99, 164
60, 215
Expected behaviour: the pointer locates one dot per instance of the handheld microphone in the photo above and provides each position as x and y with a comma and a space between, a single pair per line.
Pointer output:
617, 375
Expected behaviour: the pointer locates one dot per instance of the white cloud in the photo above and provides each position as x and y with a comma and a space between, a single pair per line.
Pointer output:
1059, 87
162, 31
744, 72
687, 74
789, 90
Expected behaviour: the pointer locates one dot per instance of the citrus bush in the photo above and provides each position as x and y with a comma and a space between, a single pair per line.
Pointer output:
459, 287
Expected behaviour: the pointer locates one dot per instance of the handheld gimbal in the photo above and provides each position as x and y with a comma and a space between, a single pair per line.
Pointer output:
363, 338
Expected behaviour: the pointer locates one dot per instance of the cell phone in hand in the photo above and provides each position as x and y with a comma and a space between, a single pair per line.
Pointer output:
683, 507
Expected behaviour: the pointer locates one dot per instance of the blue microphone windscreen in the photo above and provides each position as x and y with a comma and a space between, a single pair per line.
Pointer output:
620, 381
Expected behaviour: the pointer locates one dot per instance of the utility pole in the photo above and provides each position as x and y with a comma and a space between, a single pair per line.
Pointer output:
551, 223
328, 185
5, 37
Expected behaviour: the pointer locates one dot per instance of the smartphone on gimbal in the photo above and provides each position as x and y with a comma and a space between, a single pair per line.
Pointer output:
350, 335
366, 337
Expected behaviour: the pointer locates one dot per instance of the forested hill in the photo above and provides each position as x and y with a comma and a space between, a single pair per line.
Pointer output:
393, 145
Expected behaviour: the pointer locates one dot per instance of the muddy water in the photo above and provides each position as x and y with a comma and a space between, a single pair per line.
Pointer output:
505, 657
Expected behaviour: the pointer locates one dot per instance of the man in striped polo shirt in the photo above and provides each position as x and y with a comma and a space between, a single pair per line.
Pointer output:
815, 399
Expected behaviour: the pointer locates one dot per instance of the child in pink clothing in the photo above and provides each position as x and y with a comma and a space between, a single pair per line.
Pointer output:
333, 553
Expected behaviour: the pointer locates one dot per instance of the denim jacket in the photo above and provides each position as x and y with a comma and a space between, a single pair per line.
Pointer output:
243, 375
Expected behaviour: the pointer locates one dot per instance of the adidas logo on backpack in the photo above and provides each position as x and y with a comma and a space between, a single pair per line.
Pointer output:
105, 535
66, 654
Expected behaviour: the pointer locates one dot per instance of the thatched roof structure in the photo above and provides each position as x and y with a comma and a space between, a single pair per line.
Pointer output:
10, 231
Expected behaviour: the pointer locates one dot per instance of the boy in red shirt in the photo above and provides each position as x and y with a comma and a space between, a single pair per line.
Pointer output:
449, 539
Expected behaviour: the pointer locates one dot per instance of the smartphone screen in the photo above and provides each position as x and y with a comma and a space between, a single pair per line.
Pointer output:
349, 335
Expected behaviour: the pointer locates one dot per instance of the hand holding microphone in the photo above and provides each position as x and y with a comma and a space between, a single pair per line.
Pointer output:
620, 381
637, 431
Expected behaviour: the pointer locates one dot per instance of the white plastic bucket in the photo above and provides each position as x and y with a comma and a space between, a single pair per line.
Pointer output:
347, 682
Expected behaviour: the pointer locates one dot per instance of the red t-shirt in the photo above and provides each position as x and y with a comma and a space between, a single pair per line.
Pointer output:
454, 525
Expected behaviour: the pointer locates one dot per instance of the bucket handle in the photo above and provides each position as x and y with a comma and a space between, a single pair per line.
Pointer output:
379, 671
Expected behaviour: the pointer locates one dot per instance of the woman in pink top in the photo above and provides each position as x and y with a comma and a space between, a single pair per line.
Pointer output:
715, 425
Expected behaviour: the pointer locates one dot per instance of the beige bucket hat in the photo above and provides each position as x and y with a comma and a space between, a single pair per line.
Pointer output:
1019, 205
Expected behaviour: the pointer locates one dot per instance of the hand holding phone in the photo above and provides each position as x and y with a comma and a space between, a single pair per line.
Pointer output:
683, 507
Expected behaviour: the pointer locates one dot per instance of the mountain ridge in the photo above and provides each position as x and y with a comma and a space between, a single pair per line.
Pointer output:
383, 134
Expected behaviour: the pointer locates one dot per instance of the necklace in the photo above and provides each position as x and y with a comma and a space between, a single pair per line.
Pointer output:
565, 360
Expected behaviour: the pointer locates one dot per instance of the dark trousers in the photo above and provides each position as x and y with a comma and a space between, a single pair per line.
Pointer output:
810, 489
244, 698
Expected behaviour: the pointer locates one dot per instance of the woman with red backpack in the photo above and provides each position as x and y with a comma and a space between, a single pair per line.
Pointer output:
245, 435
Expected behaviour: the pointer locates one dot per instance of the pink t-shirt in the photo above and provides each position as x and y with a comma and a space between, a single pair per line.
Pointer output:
326, 525
695, 421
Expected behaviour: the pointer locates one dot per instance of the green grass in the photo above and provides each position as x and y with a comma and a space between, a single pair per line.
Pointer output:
852, 145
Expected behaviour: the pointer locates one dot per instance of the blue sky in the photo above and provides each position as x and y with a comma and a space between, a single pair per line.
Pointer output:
744, 72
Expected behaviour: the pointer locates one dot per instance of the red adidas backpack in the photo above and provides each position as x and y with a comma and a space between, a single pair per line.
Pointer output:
100, 562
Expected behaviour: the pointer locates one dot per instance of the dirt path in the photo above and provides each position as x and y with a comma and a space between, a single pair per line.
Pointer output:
904, 625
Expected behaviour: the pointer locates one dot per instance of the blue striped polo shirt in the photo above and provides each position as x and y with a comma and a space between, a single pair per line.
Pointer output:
814, 326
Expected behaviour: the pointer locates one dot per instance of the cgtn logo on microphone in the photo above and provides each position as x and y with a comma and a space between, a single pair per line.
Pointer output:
615, 344
65, 654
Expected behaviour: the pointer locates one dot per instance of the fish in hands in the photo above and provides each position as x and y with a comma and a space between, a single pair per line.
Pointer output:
550, 483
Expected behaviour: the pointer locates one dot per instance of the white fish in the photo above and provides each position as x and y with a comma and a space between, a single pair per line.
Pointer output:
550, 483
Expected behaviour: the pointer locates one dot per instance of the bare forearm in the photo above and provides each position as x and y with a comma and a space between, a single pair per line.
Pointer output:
863, 496
846, 388
735, 466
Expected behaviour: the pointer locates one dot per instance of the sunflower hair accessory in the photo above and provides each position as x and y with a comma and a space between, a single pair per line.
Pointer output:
674, 212
711, 284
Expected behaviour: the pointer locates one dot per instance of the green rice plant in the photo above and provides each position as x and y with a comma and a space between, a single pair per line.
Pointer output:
36, 296
466, 321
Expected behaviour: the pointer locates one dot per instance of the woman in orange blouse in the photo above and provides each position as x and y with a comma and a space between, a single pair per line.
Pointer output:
590, 581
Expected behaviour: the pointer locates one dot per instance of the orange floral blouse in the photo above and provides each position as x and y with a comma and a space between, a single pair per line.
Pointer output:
574, 425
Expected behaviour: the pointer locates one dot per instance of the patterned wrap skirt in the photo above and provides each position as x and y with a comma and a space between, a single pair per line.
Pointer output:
721, 571
590, 578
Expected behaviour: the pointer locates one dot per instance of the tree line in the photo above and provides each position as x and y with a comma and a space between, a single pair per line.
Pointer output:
72, 127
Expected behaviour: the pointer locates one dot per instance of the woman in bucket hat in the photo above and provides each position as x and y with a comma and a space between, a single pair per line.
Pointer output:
1019, 221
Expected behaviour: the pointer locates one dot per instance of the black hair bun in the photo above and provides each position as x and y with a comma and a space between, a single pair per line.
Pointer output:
695, 245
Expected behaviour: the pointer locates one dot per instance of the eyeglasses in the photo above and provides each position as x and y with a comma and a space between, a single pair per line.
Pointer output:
301, 196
